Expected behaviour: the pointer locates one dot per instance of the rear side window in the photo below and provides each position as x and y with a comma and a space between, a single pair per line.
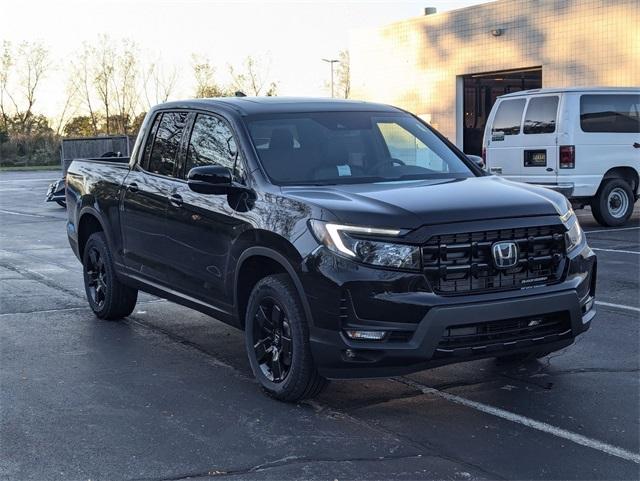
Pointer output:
211, 143
166, 145
610, 113
149, 144
508, 117
541, 115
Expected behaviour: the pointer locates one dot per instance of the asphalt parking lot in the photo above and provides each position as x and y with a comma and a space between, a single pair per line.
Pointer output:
168, 395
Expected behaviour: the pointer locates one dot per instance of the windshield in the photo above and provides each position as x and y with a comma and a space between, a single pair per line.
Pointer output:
326, 148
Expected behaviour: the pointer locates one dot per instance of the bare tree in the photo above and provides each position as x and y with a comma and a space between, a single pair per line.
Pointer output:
69, 107
252, 77
82, 80
6, 62
158, 83
29, 64
344, 75
204, 73
104, 66
125, 85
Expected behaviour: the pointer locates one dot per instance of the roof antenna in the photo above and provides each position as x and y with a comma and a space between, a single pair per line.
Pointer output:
239, 93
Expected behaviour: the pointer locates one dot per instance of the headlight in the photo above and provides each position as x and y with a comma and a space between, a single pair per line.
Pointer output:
351, 241
574, 235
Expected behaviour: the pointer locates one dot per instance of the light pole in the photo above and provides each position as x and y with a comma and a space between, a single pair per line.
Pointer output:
331, 61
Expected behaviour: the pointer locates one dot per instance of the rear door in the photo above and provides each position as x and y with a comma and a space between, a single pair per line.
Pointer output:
539, 140
504, 139
145, 199
201, 228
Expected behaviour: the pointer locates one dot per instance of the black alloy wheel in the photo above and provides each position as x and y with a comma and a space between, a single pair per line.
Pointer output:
273, 346
96, 277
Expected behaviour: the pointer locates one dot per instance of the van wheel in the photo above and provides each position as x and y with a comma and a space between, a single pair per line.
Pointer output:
277, 341
613, 204
108, 297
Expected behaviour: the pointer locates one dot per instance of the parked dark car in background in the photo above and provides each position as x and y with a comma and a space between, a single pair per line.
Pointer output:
347, 239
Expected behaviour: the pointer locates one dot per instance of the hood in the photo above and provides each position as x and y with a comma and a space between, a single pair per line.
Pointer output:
409, 205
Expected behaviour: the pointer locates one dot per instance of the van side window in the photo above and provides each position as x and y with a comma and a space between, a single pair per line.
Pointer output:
508, 117
610, 113
541, 115
167, 143
211, 143
146, 154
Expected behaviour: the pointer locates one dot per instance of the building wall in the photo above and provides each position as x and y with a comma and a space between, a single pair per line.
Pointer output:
414, 64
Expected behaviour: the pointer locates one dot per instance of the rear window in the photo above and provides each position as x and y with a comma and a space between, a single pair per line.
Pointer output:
541, 115
610, 113
167, 142
508, 117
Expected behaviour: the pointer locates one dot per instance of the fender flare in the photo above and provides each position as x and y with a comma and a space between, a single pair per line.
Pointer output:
284, 262
93, 212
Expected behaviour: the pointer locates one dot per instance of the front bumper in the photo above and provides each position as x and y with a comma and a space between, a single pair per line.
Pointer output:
343, 295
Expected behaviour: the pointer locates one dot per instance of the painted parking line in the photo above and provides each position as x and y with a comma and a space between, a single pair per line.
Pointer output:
610, 230
615, 250
618, 306
526, 421
11, 212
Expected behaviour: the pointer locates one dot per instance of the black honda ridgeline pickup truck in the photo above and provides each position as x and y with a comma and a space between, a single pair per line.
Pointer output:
347, 239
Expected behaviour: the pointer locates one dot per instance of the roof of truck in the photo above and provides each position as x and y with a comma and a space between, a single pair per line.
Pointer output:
523, 93
265, 105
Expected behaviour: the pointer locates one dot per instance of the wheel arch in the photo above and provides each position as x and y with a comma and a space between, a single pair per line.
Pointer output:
89, 222
626, 173
254, 264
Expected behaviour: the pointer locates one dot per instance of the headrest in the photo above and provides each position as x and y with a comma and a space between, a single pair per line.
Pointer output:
281, 139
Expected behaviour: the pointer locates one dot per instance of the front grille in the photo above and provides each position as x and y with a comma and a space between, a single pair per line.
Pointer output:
505, 333
463, 263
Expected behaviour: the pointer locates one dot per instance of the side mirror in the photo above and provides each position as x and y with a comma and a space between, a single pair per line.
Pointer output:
211, 179
476, 159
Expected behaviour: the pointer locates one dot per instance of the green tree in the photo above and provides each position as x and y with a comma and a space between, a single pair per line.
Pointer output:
79, 126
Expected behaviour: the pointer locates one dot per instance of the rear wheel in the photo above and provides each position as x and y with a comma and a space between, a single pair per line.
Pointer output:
108, 297
614, 203
277, 341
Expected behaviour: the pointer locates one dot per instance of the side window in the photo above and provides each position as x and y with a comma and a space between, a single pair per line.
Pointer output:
508, 117
405, 146
541, 115
211, 143
146, 153
610, 113
167, 143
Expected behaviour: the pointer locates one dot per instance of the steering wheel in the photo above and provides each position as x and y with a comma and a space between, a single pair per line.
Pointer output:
391, 161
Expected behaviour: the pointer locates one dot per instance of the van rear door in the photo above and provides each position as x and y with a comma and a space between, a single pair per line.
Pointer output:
539, 140
503, 139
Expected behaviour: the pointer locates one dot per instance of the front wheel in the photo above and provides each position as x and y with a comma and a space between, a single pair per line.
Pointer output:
108, 297
277, 341
613, 205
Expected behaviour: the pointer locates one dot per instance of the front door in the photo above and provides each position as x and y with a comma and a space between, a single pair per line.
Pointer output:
145, 199
200, 227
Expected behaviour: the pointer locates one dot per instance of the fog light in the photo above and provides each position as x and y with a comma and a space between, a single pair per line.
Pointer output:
366, 335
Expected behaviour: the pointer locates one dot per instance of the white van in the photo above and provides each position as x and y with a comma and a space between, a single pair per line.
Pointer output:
583, 142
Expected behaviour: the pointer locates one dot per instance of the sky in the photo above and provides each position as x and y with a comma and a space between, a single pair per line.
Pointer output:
292, 36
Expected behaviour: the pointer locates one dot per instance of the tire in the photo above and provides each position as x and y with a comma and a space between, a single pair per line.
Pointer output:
277, 341
613, 205
108, 297
522, 357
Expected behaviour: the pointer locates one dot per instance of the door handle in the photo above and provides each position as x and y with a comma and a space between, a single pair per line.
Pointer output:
132, 187
176, 200
636, 145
